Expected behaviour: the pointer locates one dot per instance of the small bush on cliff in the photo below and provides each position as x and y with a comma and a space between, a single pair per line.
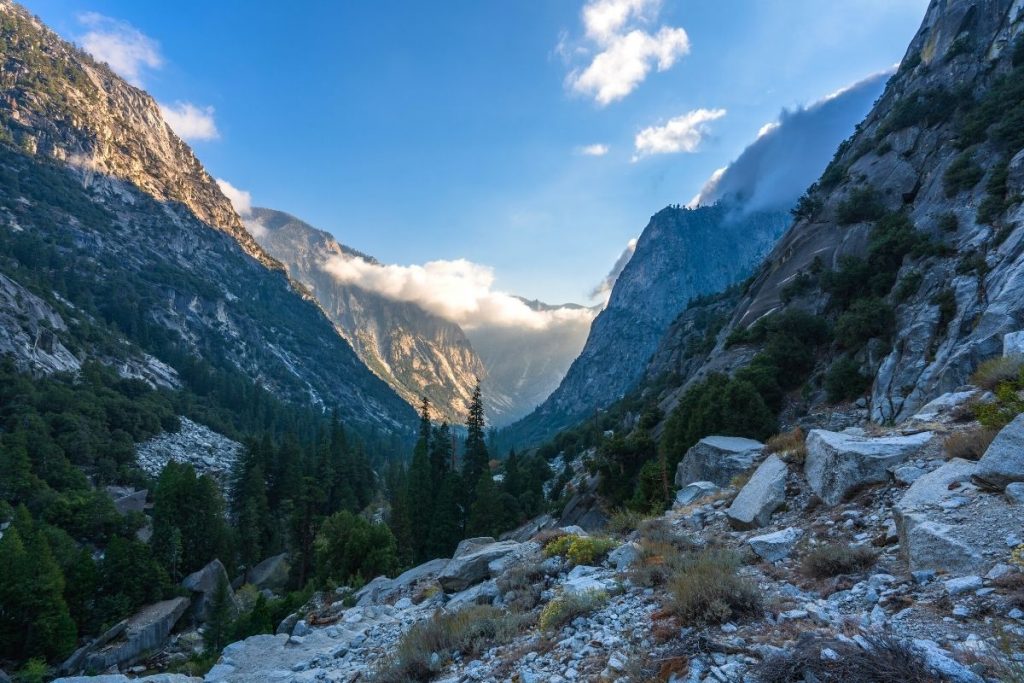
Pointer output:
862, 205
885, 660
568, 606
580, 549
993, 372
970, 444
844, 380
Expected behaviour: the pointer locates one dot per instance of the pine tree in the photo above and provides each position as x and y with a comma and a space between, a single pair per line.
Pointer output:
219, 625
476, 460
440, 454
485, 515
447, 527
420, 499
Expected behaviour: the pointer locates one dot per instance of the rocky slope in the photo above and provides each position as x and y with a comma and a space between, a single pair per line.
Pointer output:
942, 150
111, 222
416, 352
912, 572
681, 254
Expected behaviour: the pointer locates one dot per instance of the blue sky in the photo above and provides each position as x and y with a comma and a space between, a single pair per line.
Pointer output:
420, 131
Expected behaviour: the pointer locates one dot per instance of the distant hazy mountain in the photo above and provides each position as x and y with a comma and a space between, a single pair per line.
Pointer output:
420, 353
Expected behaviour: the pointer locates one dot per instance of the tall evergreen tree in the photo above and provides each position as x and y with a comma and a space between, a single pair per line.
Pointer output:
420, 498
485, 515
476, 459
219, 625
440, 454
447, 526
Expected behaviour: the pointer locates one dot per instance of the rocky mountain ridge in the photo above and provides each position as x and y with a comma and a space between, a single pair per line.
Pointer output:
112, 223
682, 254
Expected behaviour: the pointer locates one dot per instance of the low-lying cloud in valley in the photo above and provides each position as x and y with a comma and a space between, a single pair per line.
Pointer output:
791, 153
458, 290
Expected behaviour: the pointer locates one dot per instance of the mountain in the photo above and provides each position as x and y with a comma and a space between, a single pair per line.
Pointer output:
739, 214
910, 242
525, 364
117, 230
416, 352
681, 254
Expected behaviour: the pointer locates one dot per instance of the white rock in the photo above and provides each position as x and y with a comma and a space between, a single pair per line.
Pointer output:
776, 546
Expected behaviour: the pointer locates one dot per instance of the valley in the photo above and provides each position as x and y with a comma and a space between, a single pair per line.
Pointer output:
783, 443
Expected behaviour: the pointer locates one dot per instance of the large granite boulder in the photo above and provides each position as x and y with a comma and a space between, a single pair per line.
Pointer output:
384, 590
1013, 344
777, 545
270, 574
466, 570
718, 459
693, 492
838, 463
1003, 462
145, 631
204, 584
761, 496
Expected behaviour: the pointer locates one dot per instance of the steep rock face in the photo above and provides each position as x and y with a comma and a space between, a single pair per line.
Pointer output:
681, 254
940, 147
107, 217
416, 352
60, 103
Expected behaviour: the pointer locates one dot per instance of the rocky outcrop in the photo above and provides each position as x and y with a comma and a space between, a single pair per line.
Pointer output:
203, 584
145, 631
838, 464
761, 496
718, 459
270, 574
473, 567
1003, 462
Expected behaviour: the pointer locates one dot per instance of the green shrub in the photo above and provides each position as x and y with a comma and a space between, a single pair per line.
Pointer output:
946, 301
908, 285
844, 380
962, 175
863, 204
832, 560
580, 549
707, 590
1008, 405
624, 521
969, 444
866, 319
566, 607
924, 107
808, 205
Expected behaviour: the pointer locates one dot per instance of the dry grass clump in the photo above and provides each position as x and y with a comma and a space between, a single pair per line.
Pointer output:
791, 444
469, 631
887, 660
568, 606
526, 581
832, 560
580, 549
662, 554
625, 521
969, 444
707, 589
995, 371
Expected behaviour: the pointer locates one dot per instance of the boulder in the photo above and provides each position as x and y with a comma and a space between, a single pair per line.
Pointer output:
944, 405
761, 496
776, 546
693, 492
1015, 493
127, 500
625, 556
838, 464
1003, 462
204, 583
480, 594
585, 579
271, 573
146, 630
718, 459
468, 545
463, 571
1013, 344
931, 545
929, 490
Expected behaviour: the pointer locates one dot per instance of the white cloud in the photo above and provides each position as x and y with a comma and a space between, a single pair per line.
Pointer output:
710, 185
626, 53
767, 128
123, 47
190, 122
603, 290
459, 290
597, 150
681, 134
